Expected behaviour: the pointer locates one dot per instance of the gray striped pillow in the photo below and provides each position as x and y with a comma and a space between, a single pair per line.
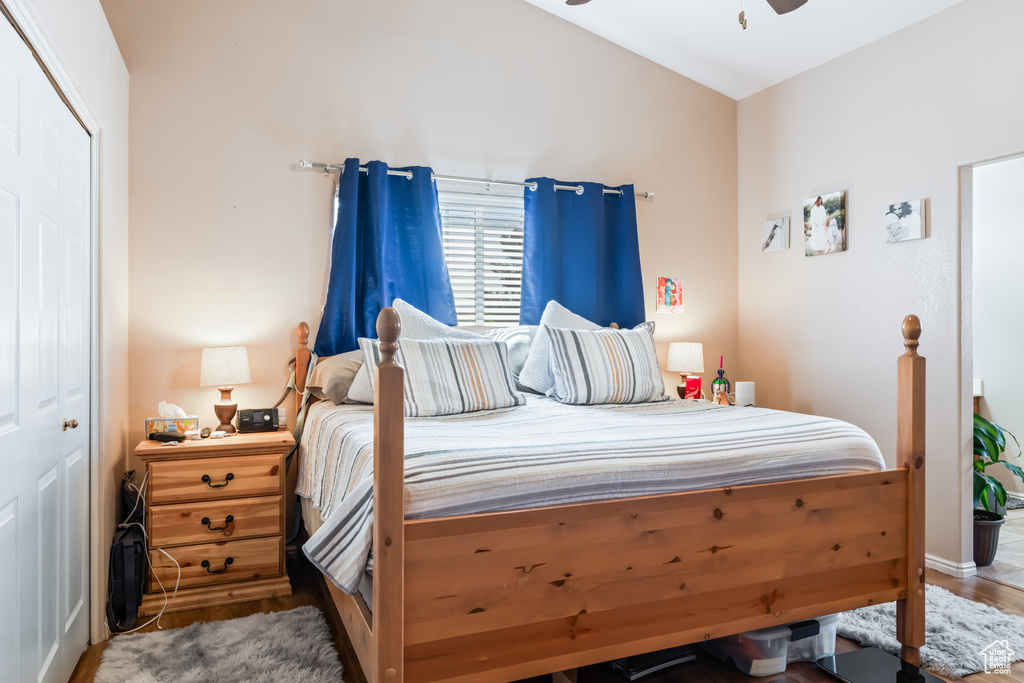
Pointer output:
449, 376
604, 366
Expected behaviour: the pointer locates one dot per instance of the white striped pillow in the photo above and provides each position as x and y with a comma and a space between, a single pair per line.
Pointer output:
449, 376
604, 366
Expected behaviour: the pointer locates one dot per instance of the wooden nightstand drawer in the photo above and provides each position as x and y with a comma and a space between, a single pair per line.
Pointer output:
254, 558
173, 481
208, 521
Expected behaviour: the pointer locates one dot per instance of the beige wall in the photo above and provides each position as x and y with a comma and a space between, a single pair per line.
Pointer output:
229, 238
998, 283
890, 121
78, 33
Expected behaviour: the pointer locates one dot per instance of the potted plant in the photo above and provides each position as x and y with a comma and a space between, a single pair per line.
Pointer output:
989, 494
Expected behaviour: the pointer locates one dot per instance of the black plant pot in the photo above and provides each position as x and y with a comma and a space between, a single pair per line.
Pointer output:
986, 536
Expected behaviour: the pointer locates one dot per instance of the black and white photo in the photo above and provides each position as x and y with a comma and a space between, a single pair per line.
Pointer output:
775, 235
905, 221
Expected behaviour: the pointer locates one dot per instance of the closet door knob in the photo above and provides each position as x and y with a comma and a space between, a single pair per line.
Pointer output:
70, 424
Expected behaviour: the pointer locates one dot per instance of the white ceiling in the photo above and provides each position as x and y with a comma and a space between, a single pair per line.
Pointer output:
702, 39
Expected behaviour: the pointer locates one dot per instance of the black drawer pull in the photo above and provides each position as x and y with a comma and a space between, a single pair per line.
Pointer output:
227, 520
228, 477
206, 564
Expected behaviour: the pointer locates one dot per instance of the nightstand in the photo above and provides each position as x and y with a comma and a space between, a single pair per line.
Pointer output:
216, 506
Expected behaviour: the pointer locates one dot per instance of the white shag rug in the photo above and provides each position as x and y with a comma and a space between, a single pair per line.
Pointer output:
956, 631
264, 648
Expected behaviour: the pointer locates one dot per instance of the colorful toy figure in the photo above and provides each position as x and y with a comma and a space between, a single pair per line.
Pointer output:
721, 384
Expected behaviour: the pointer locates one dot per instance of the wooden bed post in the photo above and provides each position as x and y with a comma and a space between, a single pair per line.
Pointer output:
388, 505
301, 365
910, 433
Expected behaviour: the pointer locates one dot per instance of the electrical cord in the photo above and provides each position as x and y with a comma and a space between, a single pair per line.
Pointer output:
300, 419
141, 491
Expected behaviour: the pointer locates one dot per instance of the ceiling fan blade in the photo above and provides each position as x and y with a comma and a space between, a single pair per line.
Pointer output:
583, 2
784, 6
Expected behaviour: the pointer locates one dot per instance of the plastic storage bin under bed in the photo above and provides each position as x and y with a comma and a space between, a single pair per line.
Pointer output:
767, 651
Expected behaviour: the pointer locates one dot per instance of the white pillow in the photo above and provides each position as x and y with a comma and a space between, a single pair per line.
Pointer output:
415, 325
333, 376
536, 374
519, 339
418, 325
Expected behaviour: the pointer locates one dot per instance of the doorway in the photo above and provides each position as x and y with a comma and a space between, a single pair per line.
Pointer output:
998, 327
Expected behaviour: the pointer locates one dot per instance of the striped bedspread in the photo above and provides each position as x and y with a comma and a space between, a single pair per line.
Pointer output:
546, 453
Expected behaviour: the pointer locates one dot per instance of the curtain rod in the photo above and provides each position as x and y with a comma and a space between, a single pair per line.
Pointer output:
578, 189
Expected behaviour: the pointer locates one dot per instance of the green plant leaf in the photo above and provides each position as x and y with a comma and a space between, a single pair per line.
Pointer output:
985, 426
1000, 493
988, 490
979, 487
988, 447
1010, 434
1017, 470
996, 433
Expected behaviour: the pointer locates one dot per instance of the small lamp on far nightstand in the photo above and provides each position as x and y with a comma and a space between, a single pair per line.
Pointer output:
224, 367
686, 358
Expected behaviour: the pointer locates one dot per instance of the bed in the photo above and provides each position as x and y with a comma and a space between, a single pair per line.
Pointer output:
625, 555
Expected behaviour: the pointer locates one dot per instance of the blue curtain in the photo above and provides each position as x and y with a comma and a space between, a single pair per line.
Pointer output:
582, 251
386, 244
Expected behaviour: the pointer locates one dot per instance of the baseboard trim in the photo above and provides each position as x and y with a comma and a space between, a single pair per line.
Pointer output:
960, 570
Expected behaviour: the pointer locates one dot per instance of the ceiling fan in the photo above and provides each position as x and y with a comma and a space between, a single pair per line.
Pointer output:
780, 6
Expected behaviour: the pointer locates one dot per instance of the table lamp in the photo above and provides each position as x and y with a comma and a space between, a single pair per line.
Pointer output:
686, 358
224, 367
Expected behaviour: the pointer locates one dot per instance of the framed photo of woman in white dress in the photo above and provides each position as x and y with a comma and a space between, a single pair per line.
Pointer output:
825, 224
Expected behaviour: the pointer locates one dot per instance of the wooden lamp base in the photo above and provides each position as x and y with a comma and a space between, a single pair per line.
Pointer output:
225, 410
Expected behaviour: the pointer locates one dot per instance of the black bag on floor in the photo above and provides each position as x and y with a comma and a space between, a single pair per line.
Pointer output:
127, 560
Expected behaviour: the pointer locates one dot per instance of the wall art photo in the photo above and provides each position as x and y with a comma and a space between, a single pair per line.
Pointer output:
775, 235
905, 221
670, 295
825, 224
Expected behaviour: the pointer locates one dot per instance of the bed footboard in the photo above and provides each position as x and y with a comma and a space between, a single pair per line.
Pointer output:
534, 591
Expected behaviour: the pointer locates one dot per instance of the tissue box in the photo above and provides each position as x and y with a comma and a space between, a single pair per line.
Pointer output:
170, 424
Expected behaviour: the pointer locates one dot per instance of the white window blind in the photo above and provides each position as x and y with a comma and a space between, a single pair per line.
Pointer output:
483, 247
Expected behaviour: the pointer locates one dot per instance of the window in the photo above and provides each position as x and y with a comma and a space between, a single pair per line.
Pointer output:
483, 247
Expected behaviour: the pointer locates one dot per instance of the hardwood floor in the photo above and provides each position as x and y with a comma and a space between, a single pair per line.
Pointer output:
309, 589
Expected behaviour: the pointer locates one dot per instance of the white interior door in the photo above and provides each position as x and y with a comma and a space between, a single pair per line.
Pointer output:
44, 373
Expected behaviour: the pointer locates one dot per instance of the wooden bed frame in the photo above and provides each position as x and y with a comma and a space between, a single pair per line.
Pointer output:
502, 596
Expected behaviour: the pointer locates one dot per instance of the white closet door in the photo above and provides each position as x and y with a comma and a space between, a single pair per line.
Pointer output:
44, 373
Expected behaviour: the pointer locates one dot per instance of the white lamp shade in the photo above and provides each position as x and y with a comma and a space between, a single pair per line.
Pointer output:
685, 357
224, 366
